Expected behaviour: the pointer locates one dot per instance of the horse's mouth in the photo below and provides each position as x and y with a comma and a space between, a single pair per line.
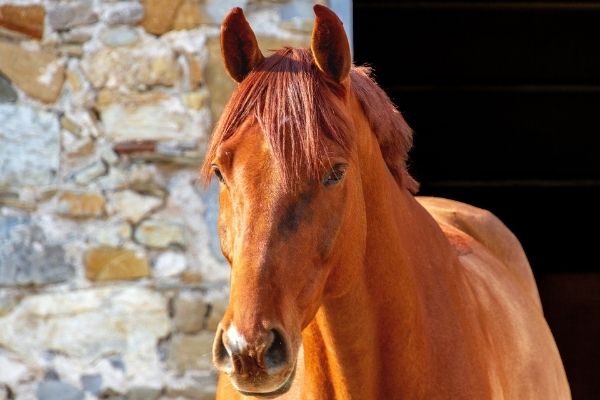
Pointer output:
277, 392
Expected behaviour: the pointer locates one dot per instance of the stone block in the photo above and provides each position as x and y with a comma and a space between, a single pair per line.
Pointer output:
190, 310
196, 100
169, 264
13, 371
38, 72
114, 235
91, 383
27, 257
7, 93
68, 15
159, 234
76, 36
57, 390
190, 14
29, 146
133, 206
70, 125
127, 13
159, 15
119, 36
191, 352
88, 325
70, 50
81, 205
155, 119
149, 63
143, 393
192, 386
90, 172
26, 19
112, 263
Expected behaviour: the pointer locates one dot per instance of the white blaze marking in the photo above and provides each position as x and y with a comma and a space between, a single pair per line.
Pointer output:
235, 340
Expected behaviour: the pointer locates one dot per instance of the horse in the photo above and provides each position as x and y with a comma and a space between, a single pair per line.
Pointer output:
344, 283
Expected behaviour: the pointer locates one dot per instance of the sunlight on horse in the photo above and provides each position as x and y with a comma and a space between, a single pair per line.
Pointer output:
344, 285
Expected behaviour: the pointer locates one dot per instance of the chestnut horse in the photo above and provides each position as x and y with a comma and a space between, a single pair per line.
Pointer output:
344, 285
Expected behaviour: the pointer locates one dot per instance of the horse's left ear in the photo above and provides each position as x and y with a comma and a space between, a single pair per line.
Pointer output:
239, 47
329, 44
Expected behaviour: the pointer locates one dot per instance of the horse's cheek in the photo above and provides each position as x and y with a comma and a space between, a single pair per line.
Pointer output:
349, 244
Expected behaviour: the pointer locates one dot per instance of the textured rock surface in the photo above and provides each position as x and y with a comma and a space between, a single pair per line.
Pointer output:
113, 263
149, 63
76, 36
8, 300
81, 205
56, 390
143, 393
124, 13
159, 234
7, 93
133, 206
190, 15
151, 117
29, 146
192, 386
89, 173
190, 312
38, 72
114, 235
89, 324
13, 371
159, 15
169, 264
27, 19
69, 15
191, 352
119, 36
27, 257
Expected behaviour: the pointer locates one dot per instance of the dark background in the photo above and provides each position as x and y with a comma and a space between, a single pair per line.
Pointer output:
504, 98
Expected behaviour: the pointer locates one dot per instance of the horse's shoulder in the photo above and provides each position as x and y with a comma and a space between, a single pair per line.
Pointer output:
473, 223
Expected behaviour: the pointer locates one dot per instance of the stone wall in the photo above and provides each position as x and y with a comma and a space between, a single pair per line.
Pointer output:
111, 278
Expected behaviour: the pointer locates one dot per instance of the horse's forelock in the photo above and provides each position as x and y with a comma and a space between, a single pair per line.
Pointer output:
293, 103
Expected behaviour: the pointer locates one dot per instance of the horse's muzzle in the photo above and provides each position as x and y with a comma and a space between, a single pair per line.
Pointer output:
262, 367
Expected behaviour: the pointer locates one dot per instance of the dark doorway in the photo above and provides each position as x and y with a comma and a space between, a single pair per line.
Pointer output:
504, 98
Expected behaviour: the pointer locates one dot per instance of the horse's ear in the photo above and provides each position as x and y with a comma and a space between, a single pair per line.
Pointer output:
239, 47
329, 44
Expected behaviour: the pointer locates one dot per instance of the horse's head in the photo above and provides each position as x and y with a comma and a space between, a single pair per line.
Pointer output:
292, 212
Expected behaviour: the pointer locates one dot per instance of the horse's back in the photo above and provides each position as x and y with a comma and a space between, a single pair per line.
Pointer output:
489, 231
523, 359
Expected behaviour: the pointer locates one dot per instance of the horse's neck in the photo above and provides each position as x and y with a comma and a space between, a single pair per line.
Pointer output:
379, 327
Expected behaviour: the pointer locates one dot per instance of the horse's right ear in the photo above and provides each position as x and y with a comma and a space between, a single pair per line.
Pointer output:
239, 47
329, 44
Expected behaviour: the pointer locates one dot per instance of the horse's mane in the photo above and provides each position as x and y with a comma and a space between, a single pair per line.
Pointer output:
295, 106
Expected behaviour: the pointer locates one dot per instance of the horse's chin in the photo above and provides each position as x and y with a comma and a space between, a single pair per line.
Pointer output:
282, 389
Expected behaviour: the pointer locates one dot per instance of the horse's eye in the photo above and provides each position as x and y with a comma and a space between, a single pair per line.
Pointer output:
218, 173
335, 175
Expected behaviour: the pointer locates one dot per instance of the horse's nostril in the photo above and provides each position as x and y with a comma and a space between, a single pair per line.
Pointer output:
221, 355
276, 355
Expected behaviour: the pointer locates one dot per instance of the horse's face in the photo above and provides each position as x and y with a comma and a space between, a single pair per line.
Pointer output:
290, 247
